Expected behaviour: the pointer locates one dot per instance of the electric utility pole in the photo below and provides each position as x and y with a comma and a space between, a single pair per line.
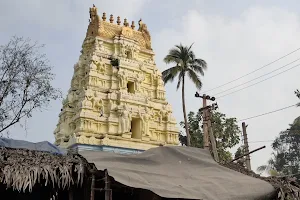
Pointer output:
211, 133
207, 126
205, 115
246, 145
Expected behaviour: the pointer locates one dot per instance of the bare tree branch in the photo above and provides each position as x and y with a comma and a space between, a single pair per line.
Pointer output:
25, 81
297, 92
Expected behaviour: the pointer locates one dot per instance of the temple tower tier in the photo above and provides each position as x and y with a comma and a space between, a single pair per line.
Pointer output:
117, 96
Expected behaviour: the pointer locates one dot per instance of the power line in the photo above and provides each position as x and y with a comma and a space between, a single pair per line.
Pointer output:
288, 131
290, 134
253, 71
259, 81
268, 112
261, 141
257, 77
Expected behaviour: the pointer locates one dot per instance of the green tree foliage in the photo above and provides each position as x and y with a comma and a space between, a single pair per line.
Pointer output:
226, 131
185, 65
239, 152
194, 129
286, 152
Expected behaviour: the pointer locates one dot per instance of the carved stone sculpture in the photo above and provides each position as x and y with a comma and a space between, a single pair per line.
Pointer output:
122, 79
99, 105
124, 120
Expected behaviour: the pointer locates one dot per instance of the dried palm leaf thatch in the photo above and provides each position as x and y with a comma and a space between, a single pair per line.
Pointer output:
21, 169
286, 187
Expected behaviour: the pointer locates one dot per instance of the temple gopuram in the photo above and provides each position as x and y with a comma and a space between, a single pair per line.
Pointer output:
116, 101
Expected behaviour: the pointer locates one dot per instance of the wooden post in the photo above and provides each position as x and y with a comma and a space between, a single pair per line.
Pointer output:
205, 128
248, 153
212, 138
107, 187
248, 164
71, 193
93, 187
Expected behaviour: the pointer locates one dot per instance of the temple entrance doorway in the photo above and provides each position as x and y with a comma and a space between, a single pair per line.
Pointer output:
136, 128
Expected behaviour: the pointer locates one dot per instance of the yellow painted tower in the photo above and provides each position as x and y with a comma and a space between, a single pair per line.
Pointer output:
117, 96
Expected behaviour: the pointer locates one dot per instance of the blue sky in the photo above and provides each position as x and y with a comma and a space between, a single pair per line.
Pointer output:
234, 37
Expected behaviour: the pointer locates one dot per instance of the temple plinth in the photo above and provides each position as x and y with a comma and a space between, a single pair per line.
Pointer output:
117, 96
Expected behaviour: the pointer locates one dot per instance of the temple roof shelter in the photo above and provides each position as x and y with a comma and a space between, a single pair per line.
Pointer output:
39, 171
179, 173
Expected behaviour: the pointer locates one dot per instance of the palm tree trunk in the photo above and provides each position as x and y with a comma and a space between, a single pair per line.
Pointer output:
188, 138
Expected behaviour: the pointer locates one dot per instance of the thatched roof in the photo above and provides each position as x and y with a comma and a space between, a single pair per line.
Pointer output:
21, 169
286, 187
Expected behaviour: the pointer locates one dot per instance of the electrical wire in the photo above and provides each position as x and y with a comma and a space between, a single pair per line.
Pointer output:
252, 71
258, 82
267, 113
257, 77
290, 134
261, 141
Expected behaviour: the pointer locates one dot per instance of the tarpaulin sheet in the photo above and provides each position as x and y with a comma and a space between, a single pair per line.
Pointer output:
180, 172
39, 146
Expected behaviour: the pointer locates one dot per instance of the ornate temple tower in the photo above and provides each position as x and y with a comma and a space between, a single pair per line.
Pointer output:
117, 96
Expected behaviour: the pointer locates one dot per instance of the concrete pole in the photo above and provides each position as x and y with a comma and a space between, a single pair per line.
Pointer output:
212, 138
205, 125
248, 164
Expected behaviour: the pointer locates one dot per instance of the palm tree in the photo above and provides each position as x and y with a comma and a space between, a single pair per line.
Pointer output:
267, 168
186, 65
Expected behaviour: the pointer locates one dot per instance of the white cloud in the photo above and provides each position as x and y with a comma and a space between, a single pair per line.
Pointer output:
233, 47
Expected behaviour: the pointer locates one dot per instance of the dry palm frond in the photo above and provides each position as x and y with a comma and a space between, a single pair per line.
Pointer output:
21, 169
286, 188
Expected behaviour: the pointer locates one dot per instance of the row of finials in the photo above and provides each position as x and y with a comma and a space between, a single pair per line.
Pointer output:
111, 20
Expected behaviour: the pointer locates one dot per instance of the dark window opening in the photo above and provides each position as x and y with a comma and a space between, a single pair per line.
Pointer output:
130, 87
128, 54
